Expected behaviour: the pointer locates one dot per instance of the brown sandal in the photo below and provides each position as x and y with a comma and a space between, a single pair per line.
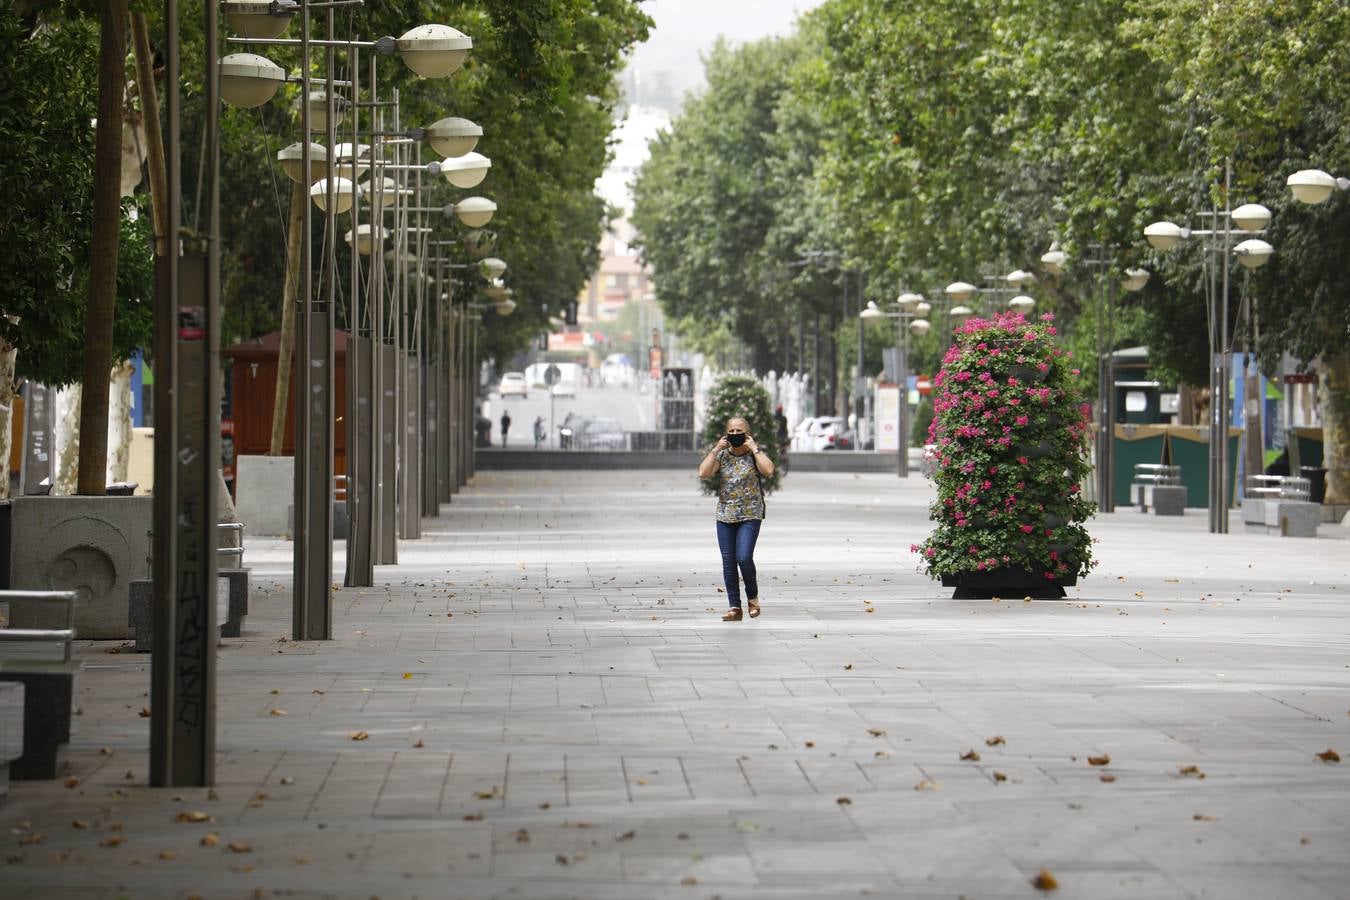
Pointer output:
754, 609
732, 615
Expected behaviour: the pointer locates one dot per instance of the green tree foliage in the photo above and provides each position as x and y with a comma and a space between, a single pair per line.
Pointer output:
740, 396
49, 91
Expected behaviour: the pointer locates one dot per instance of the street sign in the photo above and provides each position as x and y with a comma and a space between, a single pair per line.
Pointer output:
551, 375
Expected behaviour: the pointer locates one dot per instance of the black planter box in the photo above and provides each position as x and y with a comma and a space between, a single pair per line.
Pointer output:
1009, 583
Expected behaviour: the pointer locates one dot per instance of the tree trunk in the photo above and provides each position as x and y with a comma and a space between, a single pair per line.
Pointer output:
1335, 372
66, 441
286, 348
154, 136
119, 423
98, 319
1186, 403
7, 357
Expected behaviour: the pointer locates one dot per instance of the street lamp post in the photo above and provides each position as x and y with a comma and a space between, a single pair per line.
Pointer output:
909, 319
1055, 262
1252, 253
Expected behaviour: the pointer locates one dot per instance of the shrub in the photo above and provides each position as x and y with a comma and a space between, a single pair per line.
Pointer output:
1011, 432
741, 395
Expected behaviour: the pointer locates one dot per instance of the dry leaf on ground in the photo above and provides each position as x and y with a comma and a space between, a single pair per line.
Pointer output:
28, 840
689, 881
877, 732
210, 839
79, 823
487, 795
167, 855
927, 784
358, 735
995, 741
843, 801
277, 712
1202, 818
240, 847
1000, 777
418, 744
1329, 756
1103, 760
1190, 772
522, 836
192, 815
971, 755
112, 840
1044, 881
1107, 778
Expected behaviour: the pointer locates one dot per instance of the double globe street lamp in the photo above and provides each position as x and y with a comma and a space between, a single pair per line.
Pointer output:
1252, 252
911, 318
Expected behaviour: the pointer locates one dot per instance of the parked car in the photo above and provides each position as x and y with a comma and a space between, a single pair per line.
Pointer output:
826, 433
513, 384
602, 434
565, 389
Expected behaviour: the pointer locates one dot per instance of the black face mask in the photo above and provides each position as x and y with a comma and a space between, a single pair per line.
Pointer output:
736, 440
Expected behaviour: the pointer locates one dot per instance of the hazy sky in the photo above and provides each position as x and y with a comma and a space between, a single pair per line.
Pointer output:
686, 28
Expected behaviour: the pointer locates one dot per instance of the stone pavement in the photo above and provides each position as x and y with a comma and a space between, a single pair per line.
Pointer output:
540, 702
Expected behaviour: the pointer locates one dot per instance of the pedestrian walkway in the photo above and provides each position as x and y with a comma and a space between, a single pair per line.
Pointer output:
540, 702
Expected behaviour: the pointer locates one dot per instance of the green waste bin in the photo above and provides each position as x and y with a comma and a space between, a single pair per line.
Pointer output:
1309, 446
1188, 447
1134, 444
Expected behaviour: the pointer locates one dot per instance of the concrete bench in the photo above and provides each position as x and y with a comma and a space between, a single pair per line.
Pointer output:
11, 730
231, 591
48, 681
1287, 518
1148, 477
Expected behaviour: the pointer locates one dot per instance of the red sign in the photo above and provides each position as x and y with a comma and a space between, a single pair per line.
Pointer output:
924, 385
1301, 378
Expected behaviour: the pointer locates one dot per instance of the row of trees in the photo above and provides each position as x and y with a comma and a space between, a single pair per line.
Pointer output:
928, 141
540, 80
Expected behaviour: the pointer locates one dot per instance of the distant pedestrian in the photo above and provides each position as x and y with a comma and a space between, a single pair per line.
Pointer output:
539, 432
506, 426
740, 510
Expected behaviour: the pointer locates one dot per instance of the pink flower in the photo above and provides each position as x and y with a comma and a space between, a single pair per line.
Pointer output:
1028, 529
930, 553
1022, 460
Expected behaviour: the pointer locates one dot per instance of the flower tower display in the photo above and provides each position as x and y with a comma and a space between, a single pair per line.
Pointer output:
1010, 434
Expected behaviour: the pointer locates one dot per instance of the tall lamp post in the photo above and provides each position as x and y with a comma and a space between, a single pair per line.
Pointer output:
1252, 253
1055, 261
909, 320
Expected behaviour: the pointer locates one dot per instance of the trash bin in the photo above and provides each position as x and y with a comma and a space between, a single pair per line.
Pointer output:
1188, 447
1317, 482
1133, 445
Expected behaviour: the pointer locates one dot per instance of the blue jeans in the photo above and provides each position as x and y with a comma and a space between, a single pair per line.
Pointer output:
736, 540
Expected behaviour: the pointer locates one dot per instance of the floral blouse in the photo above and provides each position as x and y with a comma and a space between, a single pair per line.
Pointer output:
739, 495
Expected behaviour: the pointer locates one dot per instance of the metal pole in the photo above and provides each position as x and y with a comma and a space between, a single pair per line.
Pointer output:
187, 452
902, 404
1223, 356
1214, 402
1109, 406
1103, 425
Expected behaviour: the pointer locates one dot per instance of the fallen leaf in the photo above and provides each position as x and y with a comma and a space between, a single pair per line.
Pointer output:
1107, 778
1191, 772
72, 782
407, 676
112, 840
210, 839
29, 840
1103, 760
144, 713
971, 755
1044, 881
79, 823
881, 754
560, 860
995, 741
522, 836
286, 779
487, 795
277, 712
192, 815
843, 801
877, 732
927, 784
810, 744
211, 794
689, 881
274, 691
1329, 756
474, 817
301, 860
626, 836
167, 855
1199, 818
545, 805
316, 691
358, 735
240, 847
418, 744
641, 781
1000, 777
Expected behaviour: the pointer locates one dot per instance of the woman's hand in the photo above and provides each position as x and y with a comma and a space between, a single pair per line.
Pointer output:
750, 442
722, 444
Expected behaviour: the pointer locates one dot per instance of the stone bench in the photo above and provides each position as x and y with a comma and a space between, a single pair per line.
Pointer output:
1287, 518
11, 730
48, 682
231, 592
1169, 499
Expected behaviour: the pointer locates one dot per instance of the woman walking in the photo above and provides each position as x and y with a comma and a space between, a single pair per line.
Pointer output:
740, 509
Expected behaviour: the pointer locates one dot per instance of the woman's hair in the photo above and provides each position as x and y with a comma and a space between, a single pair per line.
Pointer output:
744, 421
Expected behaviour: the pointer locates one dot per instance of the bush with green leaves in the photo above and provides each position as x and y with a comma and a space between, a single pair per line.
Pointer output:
740, 396
1010, 435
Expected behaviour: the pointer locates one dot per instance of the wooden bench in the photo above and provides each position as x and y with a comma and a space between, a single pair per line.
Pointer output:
48, 681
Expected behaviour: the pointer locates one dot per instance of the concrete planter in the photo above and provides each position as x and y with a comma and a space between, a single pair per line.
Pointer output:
94, 545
